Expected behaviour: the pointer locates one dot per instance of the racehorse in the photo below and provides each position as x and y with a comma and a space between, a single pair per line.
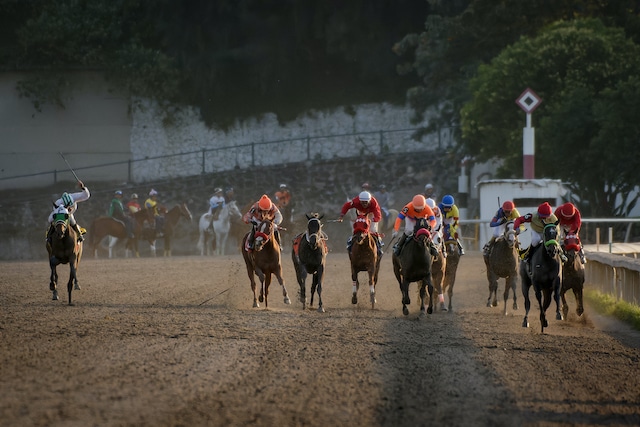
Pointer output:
115, 229
413, 264
572, 274
171, 218
364, 257
438, 271
263, 261
545, 275
387, 222
502, 262
309, 255
451, 268
219, 229
64, 249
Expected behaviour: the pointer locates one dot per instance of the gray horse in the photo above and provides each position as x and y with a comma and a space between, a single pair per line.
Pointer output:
502, 262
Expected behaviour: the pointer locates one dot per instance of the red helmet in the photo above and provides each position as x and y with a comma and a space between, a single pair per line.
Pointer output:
508, 206
264, 203
544, 210
567, 210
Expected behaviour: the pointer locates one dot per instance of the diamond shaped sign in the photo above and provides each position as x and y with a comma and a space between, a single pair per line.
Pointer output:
528, 101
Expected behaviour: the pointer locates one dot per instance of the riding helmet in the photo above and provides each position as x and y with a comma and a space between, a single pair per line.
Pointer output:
544, 210
67, 200
568, 210
447, 201
431, 202
418, 201
364, 196
264, 203
508, 206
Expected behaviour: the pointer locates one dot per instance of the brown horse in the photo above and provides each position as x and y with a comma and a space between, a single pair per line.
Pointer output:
64, 249
453, 259
107, 226
413, 264
502, 262
572, 274
364, 257
263, 261
171, 218
309, 255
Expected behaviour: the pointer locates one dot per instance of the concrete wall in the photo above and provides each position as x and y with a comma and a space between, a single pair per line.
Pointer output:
93, 128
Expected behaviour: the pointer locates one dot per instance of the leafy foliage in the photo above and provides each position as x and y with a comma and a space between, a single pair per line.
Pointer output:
585, 73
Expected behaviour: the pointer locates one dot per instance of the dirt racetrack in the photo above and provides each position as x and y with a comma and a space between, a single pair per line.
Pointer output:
176, 342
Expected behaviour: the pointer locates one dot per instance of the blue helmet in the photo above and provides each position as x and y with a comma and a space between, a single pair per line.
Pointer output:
67, 200
447, 201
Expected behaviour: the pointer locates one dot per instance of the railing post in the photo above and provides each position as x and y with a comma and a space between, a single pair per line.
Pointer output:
203, 158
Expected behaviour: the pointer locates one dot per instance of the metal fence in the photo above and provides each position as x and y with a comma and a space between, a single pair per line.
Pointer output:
263, 153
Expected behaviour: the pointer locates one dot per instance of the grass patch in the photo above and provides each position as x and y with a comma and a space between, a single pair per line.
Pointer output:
607, 305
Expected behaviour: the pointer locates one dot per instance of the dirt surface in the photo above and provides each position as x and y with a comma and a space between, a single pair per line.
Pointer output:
176, 342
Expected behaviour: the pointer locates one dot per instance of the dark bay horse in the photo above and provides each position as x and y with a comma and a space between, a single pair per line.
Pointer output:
263, 261
451, 267
414, 265
364, 257
572, 274
64, 249
502, 262
546, 270
171, 218
309, 257
107, 226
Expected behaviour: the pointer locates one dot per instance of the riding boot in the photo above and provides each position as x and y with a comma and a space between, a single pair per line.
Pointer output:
379, 245
433, 249
397, 248
78, 232
486, 249
524, 253
582, 258
460, 248
276, 233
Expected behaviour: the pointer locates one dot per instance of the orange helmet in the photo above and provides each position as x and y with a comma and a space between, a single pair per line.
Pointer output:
418, 201
567, 210
544, 210
264, 203
508, 206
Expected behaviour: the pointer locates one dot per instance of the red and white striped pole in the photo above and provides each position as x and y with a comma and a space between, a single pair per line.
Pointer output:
528, 101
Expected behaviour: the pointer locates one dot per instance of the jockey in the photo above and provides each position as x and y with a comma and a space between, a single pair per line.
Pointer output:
364, 203
507, 212
570, 222
263, 209
412, 211
436, 232
68, 203
429, 191
384, 199
133, 205
229, 195
116, 209
283, 200
539, 219
216, 203
450, 216
152, 204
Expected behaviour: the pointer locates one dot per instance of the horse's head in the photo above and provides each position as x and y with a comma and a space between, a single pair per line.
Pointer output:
184, 211
264, 233
234, 211
550, 239
509, 234
421, 224
314, 229
361, 228
571, 247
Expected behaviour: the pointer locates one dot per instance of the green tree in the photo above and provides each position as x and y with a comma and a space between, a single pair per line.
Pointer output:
585, 73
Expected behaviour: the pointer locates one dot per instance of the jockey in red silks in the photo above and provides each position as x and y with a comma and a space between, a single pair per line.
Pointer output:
263, 209
570, 221
364, 204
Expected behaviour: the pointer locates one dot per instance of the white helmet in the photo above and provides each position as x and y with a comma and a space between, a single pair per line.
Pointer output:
364, 196
431, 203
153, 192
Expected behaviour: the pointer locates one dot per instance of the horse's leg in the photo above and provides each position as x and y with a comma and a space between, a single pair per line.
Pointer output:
577, 292
543, 304
492, 301
72, 276
563, 298
509, 283
302, 282
423, 295
201, 242
285, 294
372, 286
556, 297
406, 300
167, 242
355, 286
53, 279
317, 278
526, 284
261, 277
112, 244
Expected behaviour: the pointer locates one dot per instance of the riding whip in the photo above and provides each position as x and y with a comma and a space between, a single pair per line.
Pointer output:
70, 168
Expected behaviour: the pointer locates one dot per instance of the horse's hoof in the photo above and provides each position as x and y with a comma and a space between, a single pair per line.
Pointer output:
354, 299
579, 312
545, 324
559, 316
261, 298
321, 309
430, 310
488, 303
515, 306
443, 308
494, 303
55, 295
255, 304
525, 323
76, 287
405, 311
287, 300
